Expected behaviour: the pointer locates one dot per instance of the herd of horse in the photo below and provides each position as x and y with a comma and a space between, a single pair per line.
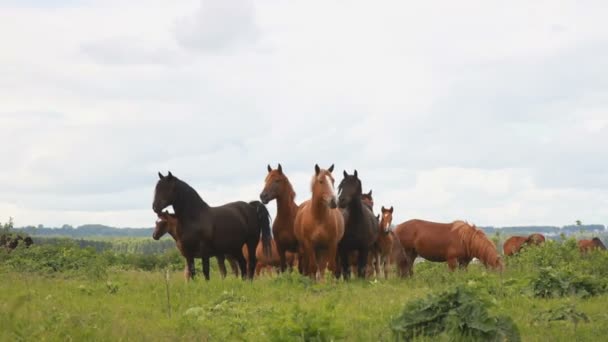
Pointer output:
335, 230
11, 241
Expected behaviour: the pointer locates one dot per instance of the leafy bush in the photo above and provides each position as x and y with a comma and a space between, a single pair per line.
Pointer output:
550, 282
312, 325
457, 312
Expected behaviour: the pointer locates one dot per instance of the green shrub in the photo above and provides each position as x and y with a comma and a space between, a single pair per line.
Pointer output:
459, 313
550, 282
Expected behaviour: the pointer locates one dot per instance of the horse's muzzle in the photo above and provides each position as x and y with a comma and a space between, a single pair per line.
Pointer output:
332, 203
264, 198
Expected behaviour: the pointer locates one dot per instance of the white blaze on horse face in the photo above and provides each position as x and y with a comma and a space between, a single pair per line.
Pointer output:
386, 221
331, 185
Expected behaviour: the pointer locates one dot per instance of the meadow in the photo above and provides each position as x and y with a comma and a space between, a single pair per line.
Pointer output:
65, 292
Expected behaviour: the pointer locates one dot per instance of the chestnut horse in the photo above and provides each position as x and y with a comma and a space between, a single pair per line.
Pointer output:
277, 187
319, 225
587, 245
213, 230
457, 243
360, 226
269, 262
383, 247
515, 243
368, 199
167, 223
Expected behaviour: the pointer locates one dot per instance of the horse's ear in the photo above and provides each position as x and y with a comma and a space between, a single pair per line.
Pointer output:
317, 169
382, 209
170, 175
356, 174
269, 168
280, 168
378, 217
331, 168
370, 193
391, 209
345, 174
160, 176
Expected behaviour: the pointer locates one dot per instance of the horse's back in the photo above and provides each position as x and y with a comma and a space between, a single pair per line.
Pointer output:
431, 240
513, 244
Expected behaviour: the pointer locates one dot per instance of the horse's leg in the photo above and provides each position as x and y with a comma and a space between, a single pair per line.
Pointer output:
190, 266
362, 262
345, 263
452, 263
251, 246
221, 265
258, 269
385, 265
233, 265
282, 258
331, 258
206, 267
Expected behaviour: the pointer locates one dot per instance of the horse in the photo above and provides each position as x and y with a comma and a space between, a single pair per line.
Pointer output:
319, 225
456, 243
368, 199
277, 187
213, 230
587, 245
268, 262
515, 243
360, 225
167, 223
383, 247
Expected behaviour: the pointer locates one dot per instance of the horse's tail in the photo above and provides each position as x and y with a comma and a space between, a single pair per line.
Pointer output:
264, 222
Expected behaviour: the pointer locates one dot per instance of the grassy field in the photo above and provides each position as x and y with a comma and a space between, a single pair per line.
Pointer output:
132, 305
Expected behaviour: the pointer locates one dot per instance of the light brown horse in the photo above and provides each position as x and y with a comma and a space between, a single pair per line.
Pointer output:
588, 245
167, 223
456, 243
319, 225
383, 247
515, 243
277, 186
268, 262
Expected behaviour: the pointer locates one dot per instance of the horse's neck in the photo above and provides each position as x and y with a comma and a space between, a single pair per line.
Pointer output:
319, 208
286, 206
356, 207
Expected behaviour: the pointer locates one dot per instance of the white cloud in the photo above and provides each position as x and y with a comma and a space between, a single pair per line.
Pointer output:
471, 110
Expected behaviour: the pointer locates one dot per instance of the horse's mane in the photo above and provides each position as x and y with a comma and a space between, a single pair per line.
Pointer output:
477, 243
356, 202
187, 200
598, 243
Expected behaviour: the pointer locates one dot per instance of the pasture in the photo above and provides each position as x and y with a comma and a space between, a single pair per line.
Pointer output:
551, 293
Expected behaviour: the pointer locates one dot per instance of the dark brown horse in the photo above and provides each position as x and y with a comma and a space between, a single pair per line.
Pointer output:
277, 187
319, 225
515, 243
368, 199
167, 223
588, 245
457, 243
360, 225
213, 230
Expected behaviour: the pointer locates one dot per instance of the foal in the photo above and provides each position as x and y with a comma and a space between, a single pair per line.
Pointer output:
167, 223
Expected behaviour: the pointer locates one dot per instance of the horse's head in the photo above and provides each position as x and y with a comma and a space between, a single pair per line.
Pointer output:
598, 243
275, 184
323, 186
28, 241
162, 225
387, 219
349, 189
164, 193
368, 199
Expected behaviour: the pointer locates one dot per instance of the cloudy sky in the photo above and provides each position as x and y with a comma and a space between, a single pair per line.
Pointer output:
488, 111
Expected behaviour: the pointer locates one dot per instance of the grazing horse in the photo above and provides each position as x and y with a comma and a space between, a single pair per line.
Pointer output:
368, 199
268, 262
360, 225
213, 230
319, 225
515, 243
587, 245
167, 223
278, 187
383, 247
457, 243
